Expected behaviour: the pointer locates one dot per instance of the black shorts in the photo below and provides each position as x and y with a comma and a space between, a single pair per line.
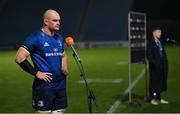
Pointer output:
49, 99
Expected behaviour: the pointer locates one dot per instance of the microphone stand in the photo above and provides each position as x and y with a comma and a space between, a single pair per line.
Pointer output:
90, 95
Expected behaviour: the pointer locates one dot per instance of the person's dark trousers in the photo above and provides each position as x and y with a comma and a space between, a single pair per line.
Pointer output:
156, 96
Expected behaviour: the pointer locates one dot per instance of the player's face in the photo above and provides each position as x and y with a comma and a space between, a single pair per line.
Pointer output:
157, 34
54, 22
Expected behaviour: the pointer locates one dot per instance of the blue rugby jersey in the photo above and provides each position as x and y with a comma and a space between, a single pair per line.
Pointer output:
46, 54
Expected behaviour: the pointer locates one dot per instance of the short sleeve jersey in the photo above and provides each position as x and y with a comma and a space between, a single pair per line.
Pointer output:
46, 54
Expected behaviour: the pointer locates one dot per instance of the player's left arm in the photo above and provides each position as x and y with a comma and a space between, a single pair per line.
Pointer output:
64, 64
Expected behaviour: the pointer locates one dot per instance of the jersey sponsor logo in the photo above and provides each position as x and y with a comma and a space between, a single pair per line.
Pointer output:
53, 54
46, 44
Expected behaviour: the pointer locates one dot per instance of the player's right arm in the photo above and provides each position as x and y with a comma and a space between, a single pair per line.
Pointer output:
21, 60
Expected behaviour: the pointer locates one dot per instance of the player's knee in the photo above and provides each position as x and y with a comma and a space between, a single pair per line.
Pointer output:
60, 111
44, 112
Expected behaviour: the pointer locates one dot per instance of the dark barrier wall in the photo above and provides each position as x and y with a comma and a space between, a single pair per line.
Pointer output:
105, 20
21, 17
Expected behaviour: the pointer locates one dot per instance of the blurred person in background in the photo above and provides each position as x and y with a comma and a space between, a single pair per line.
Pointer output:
158, 67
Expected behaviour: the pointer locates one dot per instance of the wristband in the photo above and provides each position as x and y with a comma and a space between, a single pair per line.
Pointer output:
26, 66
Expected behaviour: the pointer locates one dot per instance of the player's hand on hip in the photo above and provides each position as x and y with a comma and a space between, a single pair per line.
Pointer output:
44, 76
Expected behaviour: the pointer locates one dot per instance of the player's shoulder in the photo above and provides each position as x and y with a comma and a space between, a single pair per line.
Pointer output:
59, 36
37, 34
34, 36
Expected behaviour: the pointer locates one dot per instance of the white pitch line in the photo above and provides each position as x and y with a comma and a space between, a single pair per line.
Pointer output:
99, 80
122, 63
118, 101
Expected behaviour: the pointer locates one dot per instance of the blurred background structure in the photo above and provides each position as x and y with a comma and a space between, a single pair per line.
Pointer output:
85, 20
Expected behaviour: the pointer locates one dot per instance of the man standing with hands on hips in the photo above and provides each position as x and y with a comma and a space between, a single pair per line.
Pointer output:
46, 49
158, 67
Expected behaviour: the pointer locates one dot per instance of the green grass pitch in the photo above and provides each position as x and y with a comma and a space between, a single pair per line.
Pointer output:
109, 69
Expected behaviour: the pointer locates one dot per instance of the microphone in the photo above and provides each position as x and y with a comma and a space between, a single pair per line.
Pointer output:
70, 42
170, 40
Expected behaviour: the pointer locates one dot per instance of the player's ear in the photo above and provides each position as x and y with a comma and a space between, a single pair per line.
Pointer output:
45, 21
